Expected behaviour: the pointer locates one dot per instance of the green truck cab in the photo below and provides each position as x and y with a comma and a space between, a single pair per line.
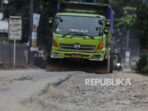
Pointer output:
82, 30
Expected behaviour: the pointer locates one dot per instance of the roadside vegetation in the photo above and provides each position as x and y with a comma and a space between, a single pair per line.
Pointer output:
142, 65
141, 27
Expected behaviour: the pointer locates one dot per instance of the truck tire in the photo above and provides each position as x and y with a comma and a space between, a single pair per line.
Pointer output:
51, 64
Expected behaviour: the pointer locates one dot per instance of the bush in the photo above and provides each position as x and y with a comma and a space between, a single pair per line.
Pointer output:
142, 65
145, 70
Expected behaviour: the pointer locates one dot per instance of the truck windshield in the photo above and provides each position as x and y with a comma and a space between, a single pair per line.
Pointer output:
78, 25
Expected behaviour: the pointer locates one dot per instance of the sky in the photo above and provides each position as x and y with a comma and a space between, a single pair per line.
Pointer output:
3, 24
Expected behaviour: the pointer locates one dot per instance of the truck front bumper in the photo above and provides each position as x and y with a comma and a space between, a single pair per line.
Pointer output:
92, 56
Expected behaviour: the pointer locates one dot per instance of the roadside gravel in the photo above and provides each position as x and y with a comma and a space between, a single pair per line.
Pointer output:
74, 95
17, 86
38, 90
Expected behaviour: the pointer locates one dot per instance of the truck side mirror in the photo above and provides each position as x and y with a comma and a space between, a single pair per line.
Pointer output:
108, 23
106, 30
50, 20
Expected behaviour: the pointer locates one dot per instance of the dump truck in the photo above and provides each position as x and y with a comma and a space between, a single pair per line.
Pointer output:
83, 31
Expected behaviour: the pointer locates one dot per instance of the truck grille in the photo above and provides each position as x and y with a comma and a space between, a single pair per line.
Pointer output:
82, 47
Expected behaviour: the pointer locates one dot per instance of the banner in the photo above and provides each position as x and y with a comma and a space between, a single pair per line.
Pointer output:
36, 20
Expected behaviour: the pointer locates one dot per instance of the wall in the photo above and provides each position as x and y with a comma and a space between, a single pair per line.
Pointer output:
6, 54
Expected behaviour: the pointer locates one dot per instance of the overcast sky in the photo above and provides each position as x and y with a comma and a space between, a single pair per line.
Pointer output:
3, 24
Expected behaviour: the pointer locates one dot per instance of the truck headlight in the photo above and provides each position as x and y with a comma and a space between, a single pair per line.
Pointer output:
96, 57
57, 55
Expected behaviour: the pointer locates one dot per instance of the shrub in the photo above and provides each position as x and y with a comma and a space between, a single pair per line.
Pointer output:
142, 65
145, 70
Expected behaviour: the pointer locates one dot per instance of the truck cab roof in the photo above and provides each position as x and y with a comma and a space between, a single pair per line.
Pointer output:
80, 14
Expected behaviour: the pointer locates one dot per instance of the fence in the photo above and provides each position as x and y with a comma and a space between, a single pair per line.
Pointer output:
6, 54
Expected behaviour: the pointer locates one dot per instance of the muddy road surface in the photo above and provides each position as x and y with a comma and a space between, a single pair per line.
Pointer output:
39, 90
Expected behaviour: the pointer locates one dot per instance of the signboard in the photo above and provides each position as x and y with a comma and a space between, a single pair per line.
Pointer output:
15, 28
34, 42
15, 33
127, 54
36, 19
127, 57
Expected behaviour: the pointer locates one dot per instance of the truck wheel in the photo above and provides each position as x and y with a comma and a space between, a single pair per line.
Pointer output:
49, 60
51, 64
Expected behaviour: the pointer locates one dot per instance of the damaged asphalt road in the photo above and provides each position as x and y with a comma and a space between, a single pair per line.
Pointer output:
38, 90
17, 86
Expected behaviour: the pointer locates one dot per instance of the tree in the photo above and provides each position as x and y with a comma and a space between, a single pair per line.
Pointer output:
47, 8
141, 25
19, 8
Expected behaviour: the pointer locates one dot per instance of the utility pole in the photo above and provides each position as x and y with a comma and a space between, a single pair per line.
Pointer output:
127, 41
30, 35
127, 53
1, 5
31, 18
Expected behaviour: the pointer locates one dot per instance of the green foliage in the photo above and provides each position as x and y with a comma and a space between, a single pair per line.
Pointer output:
127, 8
145, 70
3, 39
124, 13
142, 65
126, 22
117, 6
141, 25
47, 8
19, 8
